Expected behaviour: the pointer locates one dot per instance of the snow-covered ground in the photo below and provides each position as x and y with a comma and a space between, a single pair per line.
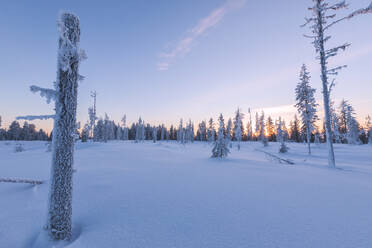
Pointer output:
169, 195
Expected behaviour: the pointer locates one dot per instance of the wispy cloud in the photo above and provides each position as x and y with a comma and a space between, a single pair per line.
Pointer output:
184, 45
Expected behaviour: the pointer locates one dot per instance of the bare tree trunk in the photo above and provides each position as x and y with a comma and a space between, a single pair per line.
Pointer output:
331, 155
60, 197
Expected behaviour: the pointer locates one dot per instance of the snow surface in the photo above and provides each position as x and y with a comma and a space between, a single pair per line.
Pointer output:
169, 195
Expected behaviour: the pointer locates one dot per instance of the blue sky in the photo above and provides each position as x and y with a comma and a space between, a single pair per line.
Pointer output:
166, 60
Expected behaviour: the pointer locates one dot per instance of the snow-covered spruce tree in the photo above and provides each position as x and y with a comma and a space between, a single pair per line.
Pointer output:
59, 221
281, 136
249, 126
85, 132
321, 21
262, 136
306, 105
238, 127
220, 148
229, 131
368, 127
211, 131
162, 132
257, 123
154, 134
139, 131
349, 126
270, 129
335, 124
203, 131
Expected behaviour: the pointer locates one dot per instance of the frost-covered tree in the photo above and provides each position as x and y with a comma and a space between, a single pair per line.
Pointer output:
270, 129
154, 134
305, 104
220, 148
59, 221
249, 126
368, 127
281, 136
211, 131
257, 122
181, 133
262, 136
321, 21
98, 131
335, 124
349, 125
140, 131
203, 131
238, 127
85, 133
125, 130
162, 132
295, 130
229, 131
92, 120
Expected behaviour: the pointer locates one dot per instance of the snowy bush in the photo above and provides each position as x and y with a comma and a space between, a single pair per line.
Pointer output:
19, 148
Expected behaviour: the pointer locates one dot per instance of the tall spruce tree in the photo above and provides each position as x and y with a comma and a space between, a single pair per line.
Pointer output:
306, 105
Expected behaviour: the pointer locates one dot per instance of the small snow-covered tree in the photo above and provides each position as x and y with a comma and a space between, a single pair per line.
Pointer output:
321, 21
162, 132
270, 129
181, 133
238, 127
306, 105
220, 148
257, 129
262, 136
349, 124
85, 133
249, 126
154, 134
335, 124
203, 131
368, 127
229, 131
211, 131
281, 137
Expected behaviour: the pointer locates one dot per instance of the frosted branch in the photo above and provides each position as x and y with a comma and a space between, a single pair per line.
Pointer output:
35, 117
367, 10
20, 180
334, 71
49, 94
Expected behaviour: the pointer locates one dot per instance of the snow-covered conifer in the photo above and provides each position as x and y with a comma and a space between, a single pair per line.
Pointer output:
220, 148
306, 105
262, 136
320, 22
238, 127
211, 131
229, 131
281, 136
154, 134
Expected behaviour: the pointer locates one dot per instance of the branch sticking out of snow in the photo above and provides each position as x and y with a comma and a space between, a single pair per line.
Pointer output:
20, 180
49, 94
276, 158
35, 117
